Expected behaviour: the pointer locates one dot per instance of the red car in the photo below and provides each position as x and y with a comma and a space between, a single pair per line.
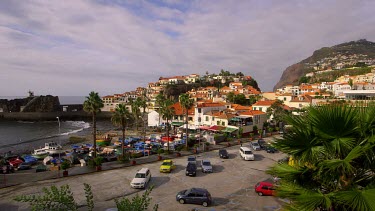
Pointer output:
265, 189
15, 162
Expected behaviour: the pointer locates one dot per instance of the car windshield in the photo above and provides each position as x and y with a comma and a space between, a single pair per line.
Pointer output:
139, 175
206, 163
166, 163
248, 152
261, 141
255, 144
191, 159
223, 151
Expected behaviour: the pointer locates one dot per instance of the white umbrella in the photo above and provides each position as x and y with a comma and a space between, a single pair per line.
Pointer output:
47, 160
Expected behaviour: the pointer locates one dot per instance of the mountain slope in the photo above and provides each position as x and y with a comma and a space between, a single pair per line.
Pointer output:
344, 53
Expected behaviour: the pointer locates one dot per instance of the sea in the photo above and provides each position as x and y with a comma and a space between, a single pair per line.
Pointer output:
24, 136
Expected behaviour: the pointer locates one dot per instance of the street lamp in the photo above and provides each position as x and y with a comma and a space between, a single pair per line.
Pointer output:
58, 120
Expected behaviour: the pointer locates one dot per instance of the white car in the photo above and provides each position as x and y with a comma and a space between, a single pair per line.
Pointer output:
246, 153
206, 166
142, 177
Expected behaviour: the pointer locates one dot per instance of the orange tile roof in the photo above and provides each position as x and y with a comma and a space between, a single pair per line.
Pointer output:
252, 113
210, 105
179, 111
264, 103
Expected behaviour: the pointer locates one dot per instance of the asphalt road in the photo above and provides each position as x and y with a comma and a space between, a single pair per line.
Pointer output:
231, 184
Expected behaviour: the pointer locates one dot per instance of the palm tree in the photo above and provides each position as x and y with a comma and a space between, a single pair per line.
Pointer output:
160, 98
93, 104
167, 113
332, 159
120, 117
136, 111
186, 104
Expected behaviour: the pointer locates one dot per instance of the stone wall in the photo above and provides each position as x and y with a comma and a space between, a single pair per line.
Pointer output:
43, 116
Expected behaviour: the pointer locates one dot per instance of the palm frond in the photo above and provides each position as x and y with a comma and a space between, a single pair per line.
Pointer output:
357, 199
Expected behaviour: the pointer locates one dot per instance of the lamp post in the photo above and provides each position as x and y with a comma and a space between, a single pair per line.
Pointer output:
58, 120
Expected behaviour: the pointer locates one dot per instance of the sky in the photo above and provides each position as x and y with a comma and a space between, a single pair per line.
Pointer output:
72, 47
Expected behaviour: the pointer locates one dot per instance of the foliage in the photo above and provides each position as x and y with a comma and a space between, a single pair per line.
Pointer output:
65, 165
76, 139
277, 111
55, 198
98, 161
332, 150
180, 147
89, 197
137, 203
186, 104
160, 151
167, 113
304, 79
92, 105
120, 117
255, 129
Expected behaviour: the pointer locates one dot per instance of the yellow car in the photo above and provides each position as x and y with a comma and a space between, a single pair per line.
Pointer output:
167, 166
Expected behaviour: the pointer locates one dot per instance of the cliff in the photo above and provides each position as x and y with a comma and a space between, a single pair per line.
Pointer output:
31, 104
329, 57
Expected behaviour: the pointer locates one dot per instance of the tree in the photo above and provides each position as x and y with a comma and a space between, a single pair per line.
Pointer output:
350, 83
62, 198
332, 159
92, 105
240, 99
167, 113
186, 104
137, 203
136, 111
276, 110
160, 98
55, 198
231, 97
120, 117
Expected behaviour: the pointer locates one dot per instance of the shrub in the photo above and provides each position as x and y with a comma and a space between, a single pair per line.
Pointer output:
65, 165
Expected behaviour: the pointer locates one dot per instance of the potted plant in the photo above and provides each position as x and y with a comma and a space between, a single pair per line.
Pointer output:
160, 150
133, 162
178, 149
98, 163
207, 145
64, 166
195, 150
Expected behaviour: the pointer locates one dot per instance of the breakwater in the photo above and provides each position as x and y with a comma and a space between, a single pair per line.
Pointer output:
46, 116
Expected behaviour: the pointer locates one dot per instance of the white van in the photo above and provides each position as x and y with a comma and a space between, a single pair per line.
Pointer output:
246, 153
142, 177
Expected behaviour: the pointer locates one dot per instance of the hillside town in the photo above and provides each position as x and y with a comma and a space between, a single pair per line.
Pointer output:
213, 109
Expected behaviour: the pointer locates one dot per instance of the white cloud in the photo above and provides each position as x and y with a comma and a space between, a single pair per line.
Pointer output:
73, 47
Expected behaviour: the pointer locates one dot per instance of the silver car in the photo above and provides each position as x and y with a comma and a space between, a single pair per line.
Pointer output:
206, 166
255, 146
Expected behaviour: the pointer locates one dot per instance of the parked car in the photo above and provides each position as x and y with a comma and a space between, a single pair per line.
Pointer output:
262, 143
167, 166
192, 159
255, 146
194, 196
270, 149
265, 189
246, 153
141, 178
41, 168
223, 153
24, 166
206, 166
15, 162
191, 169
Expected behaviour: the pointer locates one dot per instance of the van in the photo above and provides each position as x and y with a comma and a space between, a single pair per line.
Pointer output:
246, 153
142, 177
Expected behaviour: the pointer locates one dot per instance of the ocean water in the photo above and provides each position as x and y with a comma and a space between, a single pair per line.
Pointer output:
21, 136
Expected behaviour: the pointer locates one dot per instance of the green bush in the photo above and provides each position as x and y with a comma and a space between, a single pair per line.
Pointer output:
65, 165
160, 151
98, 161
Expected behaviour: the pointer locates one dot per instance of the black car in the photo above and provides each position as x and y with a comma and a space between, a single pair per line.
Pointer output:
270, 149
223, 153
191, 169
194, 196
262, 143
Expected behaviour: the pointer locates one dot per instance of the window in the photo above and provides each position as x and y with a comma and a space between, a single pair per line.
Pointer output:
199, 110
206, 118
223, 123
213, 118
199, 195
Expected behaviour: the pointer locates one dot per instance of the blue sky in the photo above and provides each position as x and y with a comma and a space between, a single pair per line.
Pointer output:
72, 47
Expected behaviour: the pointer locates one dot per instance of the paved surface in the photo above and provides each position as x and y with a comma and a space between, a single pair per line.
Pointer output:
231, 184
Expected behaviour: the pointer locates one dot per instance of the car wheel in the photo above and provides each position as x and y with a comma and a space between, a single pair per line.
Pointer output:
260, 193
181, 201
205, 204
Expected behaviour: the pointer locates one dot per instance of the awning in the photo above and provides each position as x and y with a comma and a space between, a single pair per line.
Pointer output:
216, 128
191, 127
177, 123
229, 130
204, 127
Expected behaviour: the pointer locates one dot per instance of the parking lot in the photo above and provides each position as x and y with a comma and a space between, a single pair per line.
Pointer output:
231, 184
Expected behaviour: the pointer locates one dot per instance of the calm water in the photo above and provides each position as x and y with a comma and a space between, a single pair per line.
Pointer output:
19, 136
